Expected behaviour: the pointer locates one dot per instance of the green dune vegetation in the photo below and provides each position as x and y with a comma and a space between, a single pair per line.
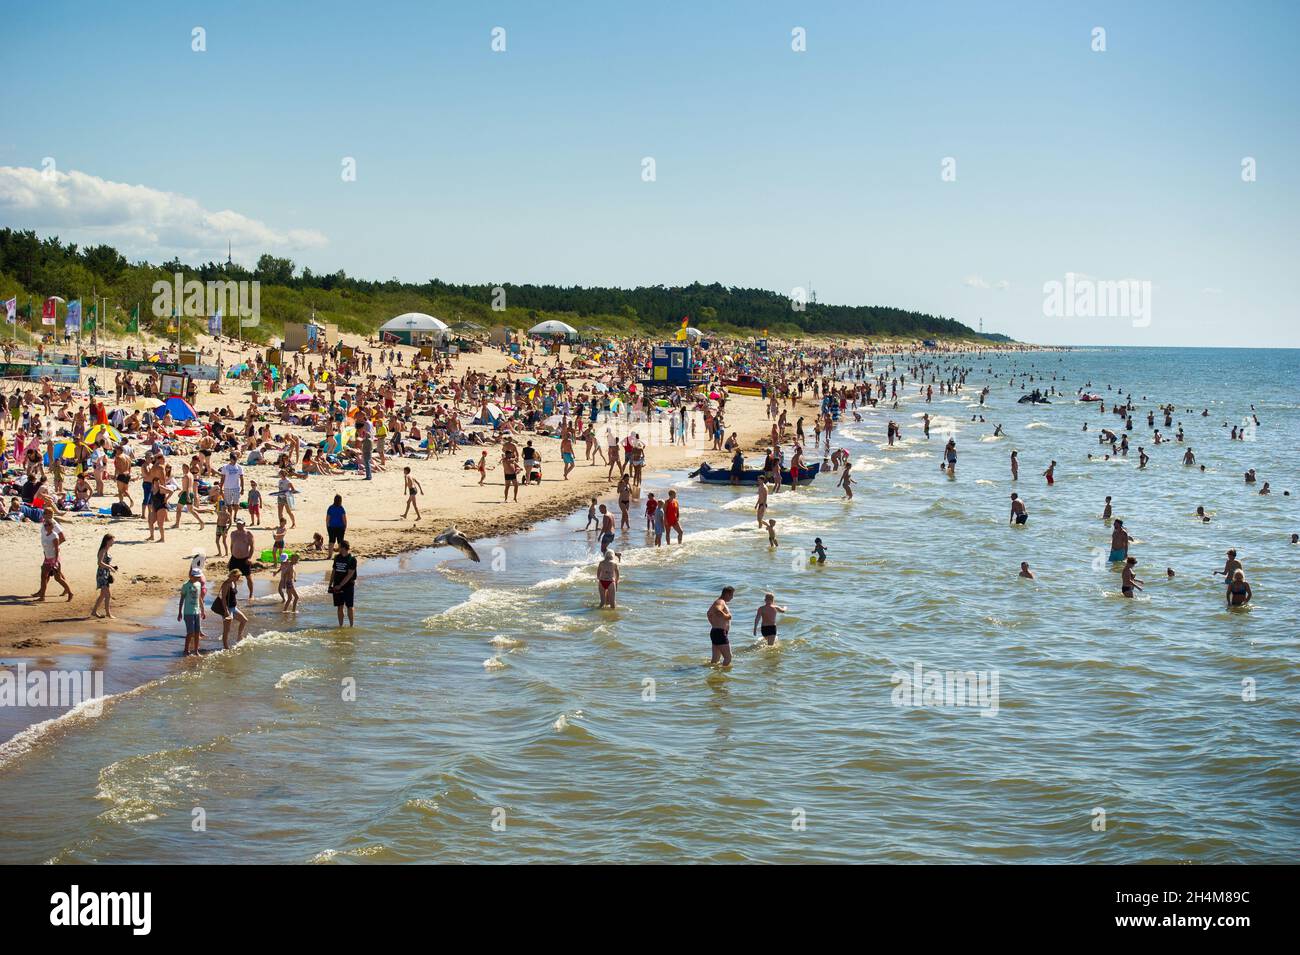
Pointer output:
32, 268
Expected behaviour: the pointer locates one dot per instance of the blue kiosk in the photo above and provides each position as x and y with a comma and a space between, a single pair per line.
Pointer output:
670, 366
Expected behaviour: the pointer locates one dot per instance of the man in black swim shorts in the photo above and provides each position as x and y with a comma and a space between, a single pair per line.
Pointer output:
719, 627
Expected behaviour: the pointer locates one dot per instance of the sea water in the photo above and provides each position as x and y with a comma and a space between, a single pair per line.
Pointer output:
923, 704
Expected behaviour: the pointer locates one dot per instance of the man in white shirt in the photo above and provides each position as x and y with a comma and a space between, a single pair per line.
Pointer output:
51, 538
232, 482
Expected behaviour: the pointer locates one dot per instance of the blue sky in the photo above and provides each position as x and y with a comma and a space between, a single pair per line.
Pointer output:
773, 168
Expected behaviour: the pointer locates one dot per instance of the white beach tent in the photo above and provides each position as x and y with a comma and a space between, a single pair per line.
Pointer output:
411, 327
694, 334
554, 328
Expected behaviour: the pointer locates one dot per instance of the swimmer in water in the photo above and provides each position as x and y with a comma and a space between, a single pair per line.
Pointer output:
819, 550
1129, 582
771, 533
1050, 474
1230, 566
606, 528
766, 616
760, 506
719, 617
1107, 512
1019, 513
1200, 512
846, 481
607, 577
1015, 466
1025, 571
1119, 541
1239, 592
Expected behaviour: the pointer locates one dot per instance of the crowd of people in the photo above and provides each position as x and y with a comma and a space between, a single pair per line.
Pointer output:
274, 428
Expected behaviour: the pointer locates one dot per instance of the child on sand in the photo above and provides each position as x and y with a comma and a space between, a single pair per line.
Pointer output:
254, 504
223, 528
277, 542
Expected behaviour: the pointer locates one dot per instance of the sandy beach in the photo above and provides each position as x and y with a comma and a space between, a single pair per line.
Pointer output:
150, 573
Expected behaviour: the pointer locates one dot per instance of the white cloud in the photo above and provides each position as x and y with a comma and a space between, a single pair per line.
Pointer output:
978, 281
141, 222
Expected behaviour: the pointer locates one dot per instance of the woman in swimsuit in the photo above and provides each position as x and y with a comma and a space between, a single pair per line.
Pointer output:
227, 604
1239, 592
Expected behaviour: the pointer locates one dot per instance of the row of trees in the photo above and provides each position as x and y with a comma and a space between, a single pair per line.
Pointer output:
35, 267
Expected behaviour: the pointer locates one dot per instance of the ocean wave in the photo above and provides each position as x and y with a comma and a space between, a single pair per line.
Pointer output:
293, 676
489, 606
141, 788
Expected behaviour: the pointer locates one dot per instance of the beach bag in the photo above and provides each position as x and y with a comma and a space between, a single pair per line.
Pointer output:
218, 606
120, 509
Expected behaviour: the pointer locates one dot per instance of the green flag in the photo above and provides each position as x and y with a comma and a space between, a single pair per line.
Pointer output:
133, 325
90, 319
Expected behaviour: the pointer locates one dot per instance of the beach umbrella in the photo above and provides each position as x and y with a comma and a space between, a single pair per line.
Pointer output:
179, 409
298, 399
63, 449
528, 380
298, 389
145, 404
103, 431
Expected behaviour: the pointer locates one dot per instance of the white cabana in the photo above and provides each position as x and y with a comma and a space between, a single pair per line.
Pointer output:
414, 328
694, 334
554, 328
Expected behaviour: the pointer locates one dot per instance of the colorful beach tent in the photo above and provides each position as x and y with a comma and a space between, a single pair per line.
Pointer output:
103, 431
179, 409
63, 449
